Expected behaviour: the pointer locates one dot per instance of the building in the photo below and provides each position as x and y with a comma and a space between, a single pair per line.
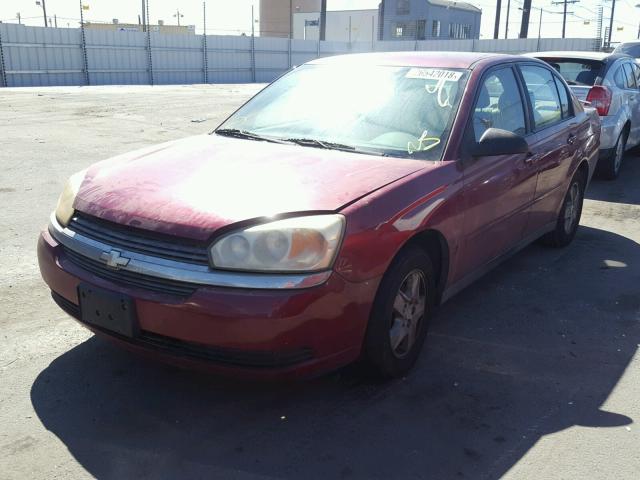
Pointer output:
428, 19
342, 25
276, 16
135, 27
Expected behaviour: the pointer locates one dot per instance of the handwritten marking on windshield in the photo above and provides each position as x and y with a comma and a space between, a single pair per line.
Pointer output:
425, 143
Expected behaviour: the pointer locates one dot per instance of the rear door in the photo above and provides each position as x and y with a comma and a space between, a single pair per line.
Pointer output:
498, 190
553, 144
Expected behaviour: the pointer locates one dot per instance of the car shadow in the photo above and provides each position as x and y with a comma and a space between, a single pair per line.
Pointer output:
531, 349
621, 190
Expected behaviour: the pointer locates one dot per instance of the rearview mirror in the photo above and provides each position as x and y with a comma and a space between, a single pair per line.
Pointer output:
496, 141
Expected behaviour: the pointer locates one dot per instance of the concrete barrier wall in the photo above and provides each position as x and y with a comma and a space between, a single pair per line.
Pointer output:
35, 56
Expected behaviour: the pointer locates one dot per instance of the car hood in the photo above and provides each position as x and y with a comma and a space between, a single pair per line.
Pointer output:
192, 187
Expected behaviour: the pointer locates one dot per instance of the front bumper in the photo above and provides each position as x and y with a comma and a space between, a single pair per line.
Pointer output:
255, 333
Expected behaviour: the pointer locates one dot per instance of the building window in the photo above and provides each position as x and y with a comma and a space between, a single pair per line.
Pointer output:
420, 29
404, 29
435, 28
403, 7
459, 31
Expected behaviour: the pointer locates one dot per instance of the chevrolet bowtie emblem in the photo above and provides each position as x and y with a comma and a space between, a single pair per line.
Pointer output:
114, 259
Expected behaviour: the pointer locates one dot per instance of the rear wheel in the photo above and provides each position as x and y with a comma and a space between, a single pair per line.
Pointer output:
610, 168
400, 315
570, 213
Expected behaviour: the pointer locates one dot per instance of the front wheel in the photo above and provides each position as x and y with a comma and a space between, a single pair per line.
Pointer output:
570, 213
400, 315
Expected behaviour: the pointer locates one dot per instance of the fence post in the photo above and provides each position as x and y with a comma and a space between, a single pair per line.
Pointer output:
149, 46
3, 70
84, 47
205, 66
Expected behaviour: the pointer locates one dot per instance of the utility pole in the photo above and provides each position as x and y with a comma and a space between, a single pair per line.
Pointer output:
613, 9
564, 3
291, 19
19, 18
524, 24
44, 10
496, 29
144, 17
506, 27
178, 15
55, 20
323, 20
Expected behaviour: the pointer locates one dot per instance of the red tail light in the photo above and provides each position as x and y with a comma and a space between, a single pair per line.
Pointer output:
600, 98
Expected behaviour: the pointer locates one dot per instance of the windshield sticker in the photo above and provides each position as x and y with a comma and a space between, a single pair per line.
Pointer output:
425, 143
434, 74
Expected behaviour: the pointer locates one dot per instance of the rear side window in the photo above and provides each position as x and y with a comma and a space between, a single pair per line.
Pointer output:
564, 98
577, 71
619, 78
499, 104
629, 76
636, 73
543, 95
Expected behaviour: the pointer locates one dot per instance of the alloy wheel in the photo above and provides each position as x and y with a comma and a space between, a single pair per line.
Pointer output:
408, 310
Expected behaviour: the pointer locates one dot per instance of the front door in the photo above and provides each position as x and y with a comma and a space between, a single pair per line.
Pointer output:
554, 143
498, 190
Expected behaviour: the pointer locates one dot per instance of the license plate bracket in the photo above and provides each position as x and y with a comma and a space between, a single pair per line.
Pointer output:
109, 310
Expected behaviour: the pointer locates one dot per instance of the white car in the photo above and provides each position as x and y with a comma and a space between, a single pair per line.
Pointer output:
628, 48
611, 84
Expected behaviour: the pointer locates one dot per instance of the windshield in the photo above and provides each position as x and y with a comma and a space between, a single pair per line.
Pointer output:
395, 111
577, 71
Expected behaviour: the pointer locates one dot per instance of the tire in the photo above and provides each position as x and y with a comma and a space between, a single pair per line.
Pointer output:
609, 168
393, 341
570, 213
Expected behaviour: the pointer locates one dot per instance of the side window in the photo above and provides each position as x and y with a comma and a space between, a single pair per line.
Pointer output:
636, 73
543, 95
630, 78
499, 104
564, 98
619, 78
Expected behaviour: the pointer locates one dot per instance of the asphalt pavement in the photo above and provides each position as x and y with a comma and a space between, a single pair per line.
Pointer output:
532, 372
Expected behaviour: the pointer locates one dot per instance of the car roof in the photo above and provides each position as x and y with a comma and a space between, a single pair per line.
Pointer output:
586, 55
416, 59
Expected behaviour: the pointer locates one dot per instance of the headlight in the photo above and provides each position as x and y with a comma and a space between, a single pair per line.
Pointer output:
291, 245
64, 209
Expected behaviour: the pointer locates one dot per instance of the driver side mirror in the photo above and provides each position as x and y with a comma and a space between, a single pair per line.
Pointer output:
496, 141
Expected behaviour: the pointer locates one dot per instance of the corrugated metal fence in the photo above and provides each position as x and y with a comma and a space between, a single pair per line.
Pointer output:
34, 56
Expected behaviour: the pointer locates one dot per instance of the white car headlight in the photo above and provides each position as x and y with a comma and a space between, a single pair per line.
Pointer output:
299, 244
64, 209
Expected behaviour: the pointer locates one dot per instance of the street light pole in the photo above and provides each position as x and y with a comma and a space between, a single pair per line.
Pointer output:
638, 6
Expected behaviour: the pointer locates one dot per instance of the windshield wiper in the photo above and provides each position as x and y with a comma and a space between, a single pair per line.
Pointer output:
312, 142
246, 134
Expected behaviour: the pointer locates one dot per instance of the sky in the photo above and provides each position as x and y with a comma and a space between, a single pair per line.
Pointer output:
233, 17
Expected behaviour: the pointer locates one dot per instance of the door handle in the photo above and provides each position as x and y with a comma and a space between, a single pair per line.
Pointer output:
572, 139
529, 158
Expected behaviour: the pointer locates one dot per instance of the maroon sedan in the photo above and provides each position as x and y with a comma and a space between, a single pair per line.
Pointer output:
325, 219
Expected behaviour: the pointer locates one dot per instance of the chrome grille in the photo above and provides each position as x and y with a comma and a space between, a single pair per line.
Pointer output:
132, 279
138, 240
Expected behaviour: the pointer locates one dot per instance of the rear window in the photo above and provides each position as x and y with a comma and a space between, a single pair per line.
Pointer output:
632, 49
577, 71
